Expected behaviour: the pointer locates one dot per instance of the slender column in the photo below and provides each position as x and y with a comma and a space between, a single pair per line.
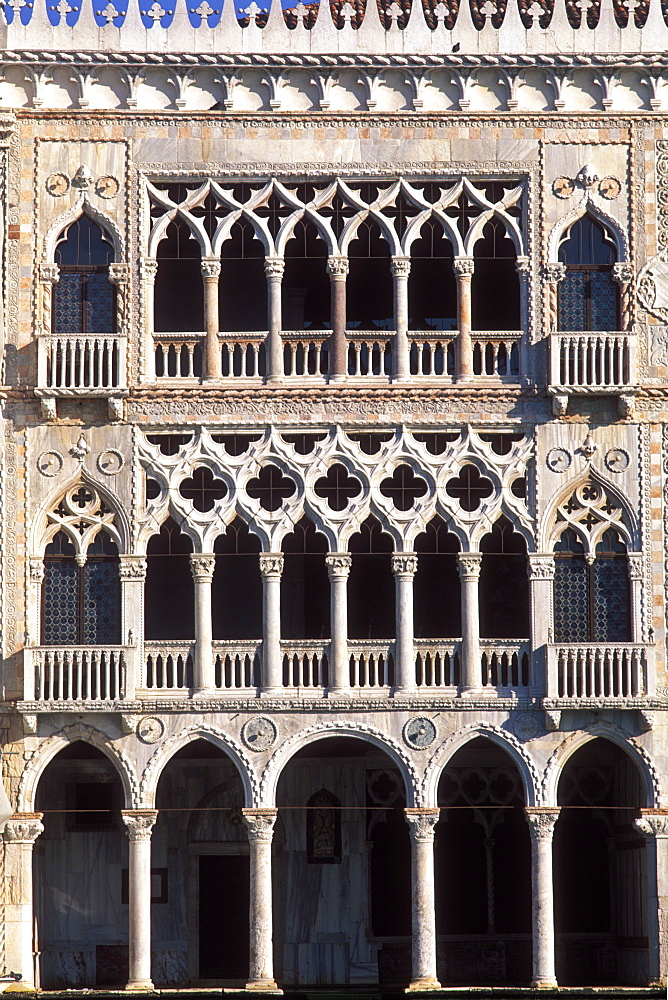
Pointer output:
554, 273
489, 872
622, 273
211, 273
337, 269
422, 823
541, 581
274, 268
49, 276
338, 568
464, 267
119, 275
271, 568
635, 579
468, 564
401, 268
132, 574
202, 566
653, 823
148, 270
21, 832
139, 825
404, 568
523, 266
541, 820
260, 828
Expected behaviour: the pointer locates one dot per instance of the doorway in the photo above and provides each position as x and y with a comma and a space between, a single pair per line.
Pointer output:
224, 901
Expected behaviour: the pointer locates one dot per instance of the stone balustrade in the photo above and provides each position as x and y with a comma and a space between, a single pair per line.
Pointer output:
599, 670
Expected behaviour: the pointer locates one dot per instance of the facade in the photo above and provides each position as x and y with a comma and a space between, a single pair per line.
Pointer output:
335, 445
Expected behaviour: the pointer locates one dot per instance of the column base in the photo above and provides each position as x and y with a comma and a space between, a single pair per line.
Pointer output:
337, 378
264, 986
422, 984
545, 984
139, 985
339, 692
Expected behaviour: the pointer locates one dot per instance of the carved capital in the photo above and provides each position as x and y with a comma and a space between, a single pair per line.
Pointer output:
622, 272
260, 824
132, 567
400, 267
210, 267
23, 828
464, 267
271, 563
36, 569
404, 564
274, 267
634, 560
554, 273
653, 823
468, 565
421, 824
541, 567
541, 820
202, 566
337, 267
49, 274
338, 564
119, 273
139, 823
523, 267
149, 268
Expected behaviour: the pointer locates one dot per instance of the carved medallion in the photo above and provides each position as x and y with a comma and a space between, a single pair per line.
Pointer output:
563, 187
653, 288
110, 462
107, 186
50, 463
558, 460
150, 729
57, 184
617, 460
526, 725
419, 733
259, 733
609, 187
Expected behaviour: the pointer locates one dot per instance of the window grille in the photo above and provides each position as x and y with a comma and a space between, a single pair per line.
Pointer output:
81, 604
84, 300
588, 296
592, 599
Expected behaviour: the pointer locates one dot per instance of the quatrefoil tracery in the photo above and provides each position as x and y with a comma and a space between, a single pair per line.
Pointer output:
590, 510
81, 513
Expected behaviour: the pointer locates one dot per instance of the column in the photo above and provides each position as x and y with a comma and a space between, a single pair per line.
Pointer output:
337, 269
541, 820
634, 560
148, 272
523, 267
271, 568
468, 565
274, 268
404, 568
338, 568
401, 268
202, 566
554, 274
541, 584
260, 827
21, 832
464, 267
422, 823
211, 273
653, 824
139, 825
132, 574
622, 273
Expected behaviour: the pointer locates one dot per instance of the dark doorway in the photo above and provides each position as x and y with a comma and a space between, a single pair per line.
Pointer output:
224, 900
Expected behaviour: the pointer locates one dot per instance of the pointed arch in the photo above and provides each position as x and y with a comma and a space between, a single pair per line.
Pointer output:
628, 526
588, 207
82, 206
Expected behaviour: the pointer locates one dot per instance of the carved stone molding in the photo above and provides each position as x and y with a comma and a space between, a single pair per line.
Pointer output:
23, 828
260, 824
338, 564
139, 823
554, 273
119, 273
468, 565
653, 823
400, 267
202, 566
132, 567
541, 567
541, 820
422, 823
271, 563
404, 564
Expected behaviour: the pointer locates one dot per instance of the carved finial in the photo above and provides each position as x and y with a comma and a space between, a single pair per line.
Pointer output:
587, 177
588, 447
83, 178
80, 449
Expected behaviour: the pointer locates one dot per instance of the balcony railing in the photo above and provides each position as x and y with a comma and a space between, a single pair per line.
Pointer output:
79, 673
598, 670
592, 362
82, 364
506, 665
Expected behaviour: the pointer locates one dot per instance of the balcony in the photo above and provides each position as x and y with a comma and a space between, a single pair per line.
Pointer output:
593, 363
95, 675
81, 365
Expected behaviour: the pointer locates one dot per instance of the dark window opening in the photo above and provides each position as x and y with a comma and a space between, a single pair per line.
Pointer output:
432, 286
337, 487
304, 584
469, 487
436, 443
371, 443
592, 600
271, 487
495, 286
306, 284
236, 444
371, 613
84, 300
179, 288
236, 595
436, 585
169, 444
152, 489
203, 489
81, 605
242, 286
303, 444
588, 297
504, 584
323, 829
501, 443
369, 289
403, 487
169, 601
94, 804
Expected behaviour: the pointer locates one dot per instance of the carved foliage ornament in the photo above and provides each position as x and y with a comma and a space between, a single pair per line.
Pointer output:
653, 287
139, 823
23, 828
260, 824
653, 824
541, 820
422, 823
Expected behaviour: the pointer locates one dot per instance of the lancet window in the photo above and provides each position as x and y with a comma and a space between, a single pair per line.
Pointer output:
588, 298
80, 599
592, 598
179, 294
84, 299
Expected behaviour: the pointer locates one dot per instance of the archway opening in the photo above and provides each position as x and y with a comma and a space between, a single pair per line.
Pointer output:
242, 286
200, 871
483, 870
369, 295
600, 872
306, 286
80, 870
179, 288
342, 867
432, 287
495, 286
504, 583
371, 611
169, 603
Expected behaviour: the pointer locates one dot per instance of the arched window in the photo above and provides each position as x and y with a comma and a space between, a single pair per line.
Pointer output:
369, 302
588, 297
169, 603
592, 597
81, 604
323, 829
84, 300
242, 287
495, 286
504, 585
179, 288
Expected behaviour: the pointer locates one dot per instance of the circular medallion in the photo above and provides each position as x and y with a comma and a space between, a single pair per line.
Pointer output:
617, 460
259, 733
57, 184
609, 187
558, 460
110, 462
563, 187
419, 733
150, 729
525, 725
107, 186
50, 463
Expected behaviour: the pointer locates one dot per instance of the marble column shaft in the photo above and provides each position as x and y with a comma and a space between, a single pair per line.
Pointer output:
338, 568
401, 268
541, 582
653, 824
260, 828
464, 267
271, 568
210, 274
422, 823
132, 574
202, 566
148, 270
139, 825
404, 567
337, 268
542, 820
20, 833
274, 268
468, 565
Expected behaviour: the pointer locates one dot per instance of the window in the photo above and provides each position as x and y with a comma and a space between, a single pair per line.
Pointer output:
81, 604
592, 599
588, 295
84, 300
